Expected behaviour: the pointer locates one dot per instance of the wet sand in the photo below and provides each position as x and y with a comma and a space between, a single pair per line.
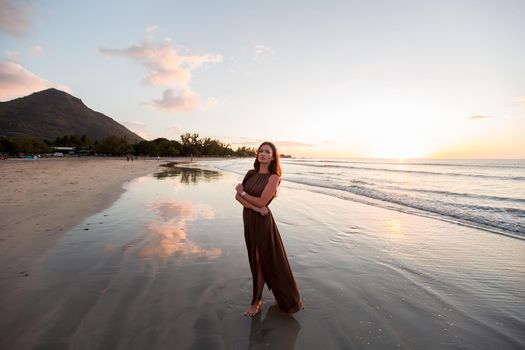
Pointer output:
41, 199
165, 266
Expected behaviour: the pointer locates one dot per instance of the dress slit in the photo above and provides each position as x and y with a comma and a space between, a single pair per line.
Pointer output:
256, 276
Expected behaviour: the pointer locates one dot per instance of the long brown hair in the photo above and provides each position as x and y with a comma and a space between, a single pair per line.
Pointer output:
273, 168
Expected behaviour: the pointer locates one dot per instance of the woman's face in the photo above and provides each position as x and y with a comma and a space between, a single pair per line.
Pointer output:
265, 154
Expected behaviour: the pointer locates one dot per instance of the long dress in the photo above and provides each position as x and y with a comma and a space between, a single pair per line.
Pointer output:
261, 233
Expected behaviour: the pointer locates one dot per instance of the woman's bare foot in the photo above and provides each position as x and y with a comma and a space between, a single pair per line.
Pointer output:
254, 309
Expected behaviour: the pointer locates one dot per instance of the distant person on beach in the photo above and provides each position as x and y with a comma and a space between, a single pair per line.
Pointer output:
266, 253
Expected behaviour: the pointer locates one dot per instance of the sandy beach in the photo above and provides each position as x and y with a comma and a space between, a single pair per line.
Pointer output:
41, 199
161, 263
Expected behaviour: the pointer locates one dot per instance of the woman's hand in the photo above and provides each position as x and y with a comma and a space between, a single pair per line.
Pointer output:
239, 188
263, 211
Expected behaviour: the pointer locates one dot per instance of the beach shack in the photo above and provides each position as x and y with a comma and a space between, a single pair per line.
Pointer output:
64, 150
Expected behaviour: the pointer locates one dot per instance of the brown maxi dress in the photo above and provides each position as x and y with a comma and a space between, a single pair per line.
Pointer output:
260, 232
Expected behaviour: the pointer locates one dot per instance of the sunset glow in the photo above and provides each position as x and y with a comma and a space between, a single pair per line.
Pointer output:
346, 79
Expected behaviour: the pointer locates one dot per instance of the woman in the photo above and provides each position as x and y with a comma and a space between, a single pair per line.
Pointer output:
268, 261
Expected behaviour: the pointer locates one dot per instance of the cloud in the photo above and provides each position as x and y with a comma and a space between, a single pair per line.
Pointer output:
166, 66
138, 128
187, 101
37, 50
261, 52
16, 81
476, 117
14, 17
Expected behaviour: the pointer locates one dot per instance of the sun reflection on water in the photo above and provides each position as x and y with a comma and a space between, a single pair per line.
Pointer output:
394, 227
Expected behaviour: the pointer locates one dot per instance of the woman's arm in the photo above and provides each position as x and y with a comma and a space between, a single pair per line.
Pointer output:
266, 195
245, 203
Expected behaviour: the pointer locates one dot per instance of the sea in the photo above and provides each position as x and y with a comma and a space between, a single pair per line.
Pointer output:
486, 194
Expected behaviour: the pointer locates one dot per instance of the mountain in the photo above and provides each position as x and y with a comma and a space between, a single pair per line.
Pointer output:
51, 113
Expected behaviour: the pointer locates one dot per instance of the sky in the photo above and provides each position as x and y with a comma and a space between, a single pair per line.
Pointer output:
332, 79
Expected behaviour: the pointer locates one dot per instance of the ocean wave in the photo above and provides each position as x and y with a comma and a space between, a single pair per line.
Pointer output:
500, 218
517, 178
458, 194
471, 165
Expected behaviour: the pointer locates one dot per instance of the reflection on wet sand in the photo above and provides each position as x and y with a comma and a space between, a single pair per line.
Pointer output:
169, 239
188, 175
395, 230
276, 331
183, 210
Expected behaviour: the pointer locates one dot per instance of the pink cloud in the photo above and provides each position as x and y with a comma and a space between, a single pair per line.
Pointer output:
14, 17
187, 101
16, 81
166, 66
195, 62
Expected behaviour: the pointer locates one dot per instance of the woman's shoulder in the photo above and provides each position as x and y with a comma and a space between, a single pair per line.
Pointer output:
274, 178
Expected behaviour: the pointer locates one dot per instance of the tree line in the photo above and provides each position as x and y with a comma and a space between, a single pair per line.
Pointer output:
190, 144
